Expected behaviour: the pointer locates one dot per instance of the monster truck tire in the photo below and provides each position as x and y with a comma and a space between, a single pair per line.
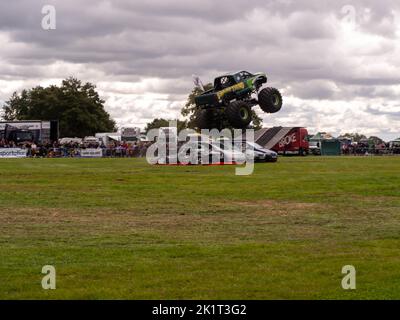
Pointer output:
270, 100
205, 119
238, 114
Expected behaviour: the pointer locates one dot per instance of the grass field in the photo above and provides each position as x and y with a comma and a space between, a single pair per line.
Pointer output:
119, 228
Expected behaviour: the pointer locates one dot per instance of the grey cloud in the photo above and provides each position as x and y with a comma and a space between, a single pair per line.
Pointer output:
307, 26
380, 111
298, 43
316, 89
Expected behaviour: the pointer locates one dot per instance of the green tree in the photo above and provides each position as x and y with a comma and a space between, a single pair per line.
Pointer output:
77, 106
356, 137
190, 109
376, 140
160, 122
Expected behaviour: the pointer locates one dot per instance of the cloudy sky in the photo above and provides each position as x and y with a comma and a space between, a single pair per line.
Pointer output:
336, 62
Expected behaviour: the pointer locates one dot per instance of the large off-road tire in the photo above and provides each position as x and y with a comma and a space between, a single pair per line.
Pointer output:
205, 119
238, 114
270, 100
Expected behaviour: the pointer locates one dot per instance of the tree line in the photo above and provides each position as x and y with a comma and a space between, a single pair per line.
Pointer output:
80, 110
76, 105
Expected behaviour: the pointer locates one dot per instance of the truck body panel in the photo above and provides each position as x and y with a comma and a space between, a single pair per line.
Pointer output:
294, 142
284, 140
230, 87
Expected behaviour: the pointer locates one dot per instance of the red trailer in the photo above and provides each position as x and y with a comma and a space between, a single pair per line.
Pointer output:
284, 140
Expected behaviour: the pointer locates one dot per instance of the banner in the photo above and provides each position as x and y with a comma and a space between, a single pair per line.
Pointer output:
22, 125
130, 132
91, 153
12, 153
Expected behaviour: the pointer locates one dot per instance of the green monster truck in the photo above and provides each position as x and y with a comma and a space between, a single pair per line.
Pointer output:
230, 101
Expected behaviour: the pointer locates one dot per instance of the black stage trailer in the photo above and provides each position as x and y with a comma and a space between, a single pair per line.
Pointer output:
29, 131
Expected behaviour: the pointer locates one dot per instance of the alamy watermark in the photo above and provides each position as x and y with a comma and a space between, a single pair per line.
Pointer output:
349, 280
209, 147
49, 280
353, 16
49, 20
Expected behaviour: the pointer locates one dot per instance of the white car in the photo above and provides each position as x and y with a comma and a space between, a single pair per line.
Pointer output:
208, 153
260, 153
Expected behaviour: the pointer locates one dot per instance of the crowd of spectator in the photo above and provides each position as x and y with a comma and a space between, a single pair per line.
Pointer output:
7, 144
138, 149
73, 149
366, 149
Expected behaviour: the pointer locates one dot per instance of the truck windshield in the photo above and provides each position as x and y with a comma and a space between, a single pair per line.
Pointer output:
254, 145
245, 75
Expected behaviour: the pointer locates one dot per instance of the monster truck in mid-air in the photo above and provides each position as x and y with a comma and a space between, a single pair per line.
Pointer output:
229, 103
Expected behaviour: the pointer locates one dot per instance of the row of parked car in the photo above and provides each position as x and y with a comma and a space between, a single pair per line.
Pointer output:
220, 151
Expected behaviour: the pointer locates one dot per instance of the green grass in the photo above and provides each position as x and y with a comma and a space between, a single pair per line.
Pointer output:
120, 228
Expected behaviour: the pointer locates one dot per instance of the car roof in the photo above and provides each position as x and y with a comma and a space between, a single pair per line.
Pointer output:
232, 73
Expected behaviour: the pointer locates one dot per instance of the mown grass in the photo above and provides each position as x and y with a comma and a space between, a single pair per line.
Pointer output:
120, 228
